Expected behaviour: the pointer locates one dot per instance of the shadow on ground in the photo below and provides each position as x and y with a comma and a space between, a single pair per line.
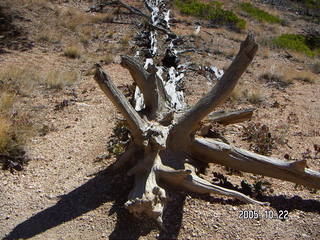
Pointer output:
110, 186
12, 36
106, 186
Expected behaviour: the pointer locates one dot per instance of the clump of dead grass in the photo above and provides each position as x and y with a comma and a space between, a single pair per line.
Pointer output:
254, 96
49, 35
15, 129
241, 93
73, 18
72, 51
19, 79
277, 80
5, 126
305, 76
37, 3
58, 79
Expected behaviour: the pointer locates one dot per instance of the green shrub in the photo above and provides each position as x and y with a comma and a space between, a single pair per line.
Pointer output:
259, 14
313, 4
294, 42
211, 11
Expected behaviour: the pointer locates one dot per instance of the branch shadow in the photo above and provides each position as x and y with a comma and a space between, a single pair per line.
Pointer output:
12, 36
282, 202
106, 186
111, 186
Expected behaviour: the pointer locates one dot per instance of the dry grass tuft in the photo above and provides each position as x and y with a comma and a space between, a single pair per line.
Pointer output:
305, 76
6, 101
58, 80
38, 3
254, 96
277, 80
5, 126
240, 93
50, 35
72, 51
19, 79
72, 18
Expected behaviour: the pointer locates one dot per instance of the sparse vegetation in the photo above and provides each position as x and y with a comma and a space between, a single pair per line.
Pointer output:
19, 79
241, 93
259, 14
39, 3
119, 139
260, 137
254, 96
72, 51
313, 4
278, 81
305, 77
316, 67
58, 79
4, 133
15, 128
296, 42
49, 35
211, 11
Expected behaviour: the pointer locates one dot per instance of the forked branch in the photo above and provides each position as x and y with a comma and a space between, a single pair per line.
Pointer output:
136, 124
189, 181
149, 84
189, 121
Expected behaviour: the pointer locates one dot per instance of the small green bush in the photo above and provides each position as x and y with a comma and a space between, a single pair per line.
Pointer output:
259, 14
294, 42
313, 4
211, 11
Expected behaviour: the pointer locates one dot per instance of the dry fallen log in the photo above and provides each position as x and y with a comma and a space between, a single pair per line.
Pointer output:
161, 153
164, 150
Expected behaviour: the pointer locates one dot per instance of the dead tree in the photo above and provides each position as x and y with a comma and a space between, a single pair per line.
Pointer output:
165, 150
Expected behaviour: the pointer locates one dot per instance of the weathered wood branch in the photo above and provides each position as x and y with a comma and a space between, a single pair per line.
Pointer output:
150, 85
147, 197
231, 117
137, 125
186, 179
190, 120
211, 151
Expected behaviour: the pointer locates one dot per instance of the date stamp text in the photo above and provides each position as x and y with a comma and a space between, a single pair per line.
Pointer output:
267, 214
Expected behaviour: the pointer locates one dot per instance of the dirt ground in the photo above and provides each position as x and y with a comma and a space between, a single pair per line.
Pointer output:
68, 191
